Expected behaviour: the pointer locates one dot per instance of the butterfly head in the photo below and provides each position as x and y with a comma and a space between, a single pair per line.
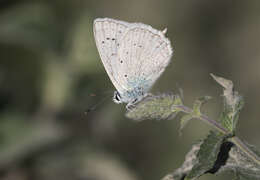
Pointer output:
129, 97
117, 97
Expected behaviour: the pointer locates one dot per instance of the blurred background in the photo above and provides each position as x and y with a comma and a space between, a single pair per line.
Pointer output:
51, 72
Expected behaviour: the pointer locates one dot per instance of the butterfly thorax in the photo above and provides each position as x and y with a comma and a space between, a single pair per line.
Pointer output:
139, 89
128, 97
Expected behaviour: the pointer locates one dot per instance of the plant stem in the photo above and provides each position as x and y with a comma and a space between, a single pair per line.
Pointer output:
206, 119
217, 126
243, 147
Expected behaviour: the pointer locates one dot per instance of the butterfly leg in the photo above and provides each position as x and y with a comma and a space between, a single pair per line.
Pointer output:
131, 105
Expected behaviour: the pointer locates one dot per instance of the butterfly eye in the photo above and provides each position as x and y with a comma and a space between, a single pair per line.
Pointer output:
117, 97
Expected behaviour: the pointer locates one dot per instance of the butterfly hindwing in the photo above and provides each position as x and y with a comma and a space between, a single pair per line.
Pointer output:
143, 55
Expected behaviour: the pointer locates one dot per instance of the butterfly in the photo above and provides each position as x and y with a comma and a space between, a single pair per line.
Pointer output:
134, 56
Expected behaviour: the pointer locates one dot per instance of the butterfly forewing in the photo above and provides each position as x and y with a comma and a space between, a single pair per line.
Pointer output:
107, 33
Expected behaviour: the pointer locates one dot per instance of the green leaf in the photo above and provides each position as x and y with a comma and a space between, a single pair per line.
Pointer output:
195, 113
184, 121
198, 103
243, 166
207, 155
159, 107
200, 160
233, 103
215, 156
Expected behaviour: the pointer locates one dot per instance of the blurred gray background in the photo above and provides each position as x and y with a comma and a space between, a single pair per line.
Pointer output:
50, 73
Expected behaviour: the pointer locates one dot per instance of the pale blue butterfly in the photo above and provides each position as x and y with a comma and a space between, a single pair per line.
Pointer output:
134, 56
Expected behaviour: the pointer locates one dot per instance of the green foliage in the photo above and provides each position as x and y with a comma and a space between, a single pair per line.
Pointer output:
215, 153
200, 159
206, 156
196, 113
239, 163
24, 139
31, 26
233, 103
159, 107
184, 121
219, 152
198, 103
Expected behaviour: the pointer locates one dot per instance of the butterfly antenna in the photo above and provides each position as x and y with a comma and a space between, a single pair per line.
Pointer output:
93, 107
